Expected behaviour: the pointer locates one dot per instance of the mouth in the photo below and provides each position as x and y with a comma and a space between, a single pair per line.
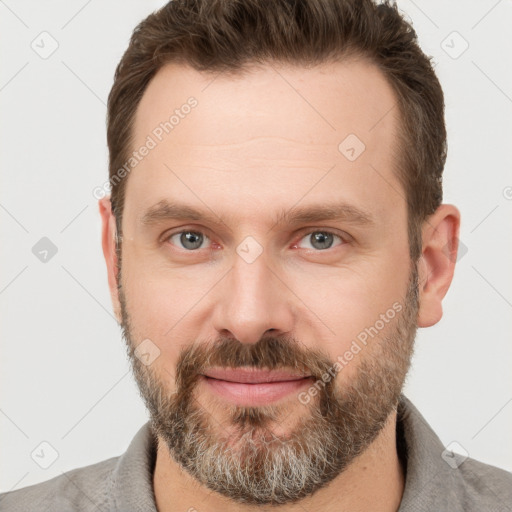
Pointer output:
252, 387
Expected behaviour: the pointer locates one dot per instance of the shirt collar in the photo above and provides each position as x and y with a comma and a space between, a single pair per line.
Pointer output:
429, 481
132, 479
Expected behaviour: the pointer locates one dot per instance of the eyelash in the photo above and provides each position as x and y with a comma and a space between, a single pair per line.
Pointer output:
343, 238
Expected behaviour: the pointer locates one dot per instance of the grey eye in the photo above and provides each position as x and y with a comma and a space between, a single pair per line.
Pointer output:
319, 240
189, 240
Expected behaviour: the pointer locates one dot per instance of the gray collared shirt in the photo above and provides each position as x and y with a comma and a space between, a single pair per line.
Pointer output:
436, 480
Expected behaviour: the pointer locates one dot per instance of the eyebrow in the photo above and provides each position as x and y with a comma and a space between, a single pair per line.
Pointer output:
165, 210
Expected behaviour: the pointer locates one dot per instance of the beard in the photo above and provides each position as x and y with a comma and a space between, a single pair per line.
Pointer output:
244, 459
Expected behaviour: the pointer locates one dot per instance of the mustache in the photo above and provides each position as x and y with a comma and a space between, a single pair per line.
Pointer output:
268, 353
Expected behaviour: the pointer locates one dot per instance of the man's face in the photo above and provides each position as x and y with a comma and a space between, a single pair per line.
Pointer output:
259, 280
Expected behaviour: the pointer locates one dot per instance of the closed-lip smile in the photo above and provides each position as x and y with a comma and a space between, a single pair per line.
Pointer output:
253, 386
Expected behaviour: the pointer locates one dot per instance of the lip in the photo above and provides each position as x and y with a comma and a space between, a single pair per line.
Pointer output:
253, 375
252, 387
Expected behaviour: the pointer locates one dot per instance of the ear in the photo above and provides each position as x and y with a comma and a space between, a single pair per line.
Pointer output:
437, 262
108, 242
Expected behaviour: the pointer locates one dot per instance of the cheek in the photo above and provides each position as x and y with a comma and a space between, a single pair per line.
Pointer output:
354, 304
165, 305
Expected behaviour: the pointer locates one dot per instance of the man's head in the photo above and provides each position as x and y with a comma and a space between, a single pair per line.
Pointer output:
281, 212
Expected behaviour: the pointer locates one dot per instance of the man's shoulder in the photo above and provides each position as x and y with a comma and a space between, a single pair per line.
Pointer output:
121, 483
485, 486
80, 489
437, 478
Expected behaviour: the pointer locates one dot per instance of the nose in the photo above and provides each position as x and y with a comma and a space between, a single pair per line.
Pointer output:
252, 302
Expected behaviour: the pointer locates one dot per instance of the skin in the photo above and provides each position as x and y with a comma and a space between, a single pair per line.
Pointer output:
253, 147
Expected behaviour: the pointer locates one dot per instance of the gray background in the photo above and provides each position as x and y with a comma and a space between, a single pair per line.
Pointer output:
64, 375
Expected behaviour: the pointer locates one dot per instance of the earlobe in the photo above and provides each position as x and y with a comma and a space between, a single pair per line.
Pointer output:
108, 238
437, 262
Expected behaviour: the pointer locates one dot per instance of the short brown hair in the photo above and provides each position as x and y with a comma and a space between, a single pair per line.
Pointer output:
229, 35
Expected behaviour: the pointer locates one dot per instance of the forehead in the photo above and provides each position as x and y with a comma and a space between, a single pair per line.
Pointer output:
268, 138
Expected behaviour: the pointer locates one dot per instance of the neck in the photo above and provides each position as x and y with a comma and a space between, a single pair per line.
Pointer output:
374, 481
